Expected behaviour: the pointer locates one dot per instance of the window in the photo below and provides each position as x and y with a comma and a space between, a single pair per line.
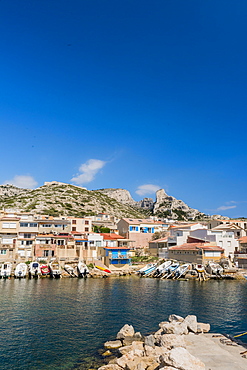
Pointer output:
23, 224
58, 225
29, 242
46, 225
74, 222
86, 222
32, 224
27, 236
9, 225
73, 228
86, 229
60, 242
3, 251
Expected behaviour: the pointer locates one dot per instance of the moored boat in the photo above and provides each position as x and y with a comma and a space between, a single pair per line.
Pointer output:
34, 269
214, 268
103, 269
55, 269
45, 270
82, 269
6, 270
20, 270
70, 270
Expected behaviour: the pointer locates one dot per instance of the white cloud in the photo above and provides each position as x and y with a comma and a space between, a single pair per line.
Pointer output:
89, 171
22, 181
147, 189
224, 208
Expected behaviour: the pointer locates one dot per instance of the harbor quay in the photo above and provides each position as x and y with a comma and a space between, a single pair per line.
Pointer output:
179, 344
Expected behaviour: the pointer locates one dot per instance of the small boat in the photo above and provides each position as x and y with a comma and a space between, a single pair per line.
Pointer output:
214, 268
161, 268
20, 270
181, 270
6, 270
199, 268
144, 268
34, 269
45, 270
82, 269
55, 270
70, 270
169, 272
150, 270
102, 269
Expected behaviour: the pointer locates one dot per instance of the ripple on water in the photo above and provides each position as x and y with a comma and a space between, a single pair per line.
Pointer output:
60, 324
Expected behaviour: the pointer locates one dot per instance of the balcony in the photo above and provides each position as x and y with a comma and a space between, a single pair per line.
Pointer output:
119, 256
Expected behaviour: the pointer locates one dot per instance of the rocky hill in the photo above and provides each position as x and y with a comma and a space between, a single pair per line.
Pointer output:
165, 205
63, 199
55, 198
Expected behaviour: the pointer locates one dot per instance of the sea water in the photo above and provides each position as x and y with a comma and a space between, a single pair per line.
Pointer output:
62, 323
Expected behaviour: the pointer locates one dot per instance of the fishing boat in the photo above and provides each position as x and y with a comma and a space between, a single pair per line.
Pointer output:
45, 270
55, 269
6, 270
20, 270
34, 269
82, 269
145, 268
70, 270
181, 271
214, 268
150, 270
169, 272
161, 268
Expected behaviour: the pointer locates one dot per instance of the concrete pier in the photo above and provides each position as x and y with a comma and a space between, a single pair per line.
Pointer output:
216, 351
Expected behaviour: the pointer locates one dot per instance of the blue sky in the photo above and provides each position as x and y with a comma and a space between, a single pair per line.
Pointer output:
127, 94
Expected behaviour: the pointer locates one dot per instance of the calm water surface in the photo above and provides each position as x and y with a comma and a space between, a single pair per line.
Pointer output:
60, 324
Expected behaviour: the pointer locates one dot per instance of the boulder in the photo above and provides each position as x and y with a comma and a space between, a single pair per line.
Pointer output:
172, 340
181, 359
174, 327
149, 340
107, 353
155, 352
174, 317
113, 344
191, 321
126, 331
110, 367
128, 340
203, 328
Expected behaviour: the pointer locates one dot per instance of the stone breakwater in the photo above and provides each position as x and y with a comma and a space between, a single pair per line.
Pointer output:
164, 350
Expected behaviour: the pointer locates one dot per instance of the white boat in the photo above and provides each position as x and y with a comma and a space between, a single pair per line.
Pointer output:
161, 268
34, 269
181, 270
55, 269
145, 268
20, 270
6, 269
169, 272
70, 270
150, 270
82, 269
214, 268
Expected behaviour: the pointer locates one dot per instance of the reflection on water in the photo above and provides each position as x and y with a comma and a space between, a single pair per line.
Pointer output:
59, 324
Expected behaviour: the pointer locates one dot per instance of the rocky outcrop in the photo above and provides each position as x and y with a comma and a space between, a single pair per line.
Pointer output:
121, 195
11, 190
170, 207
161, 350
165, 205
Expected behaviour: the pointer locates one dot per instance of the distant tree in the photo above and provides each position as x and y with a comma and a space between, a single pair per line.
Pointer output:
101, 229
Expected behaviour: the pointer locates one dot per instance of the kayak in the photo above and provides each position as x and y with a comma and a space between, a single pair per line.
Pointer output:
102, 269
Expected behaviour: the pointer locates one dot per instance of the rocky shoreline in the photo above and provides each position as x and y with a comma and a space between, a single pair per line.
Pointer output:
169, 348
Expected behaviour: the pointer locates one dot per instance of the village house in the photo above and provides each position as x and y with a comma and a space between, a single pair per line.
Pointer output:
240, 256
158, 248
238, 225
115, 251
196, 253
140, 230
180, 233
9, 225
